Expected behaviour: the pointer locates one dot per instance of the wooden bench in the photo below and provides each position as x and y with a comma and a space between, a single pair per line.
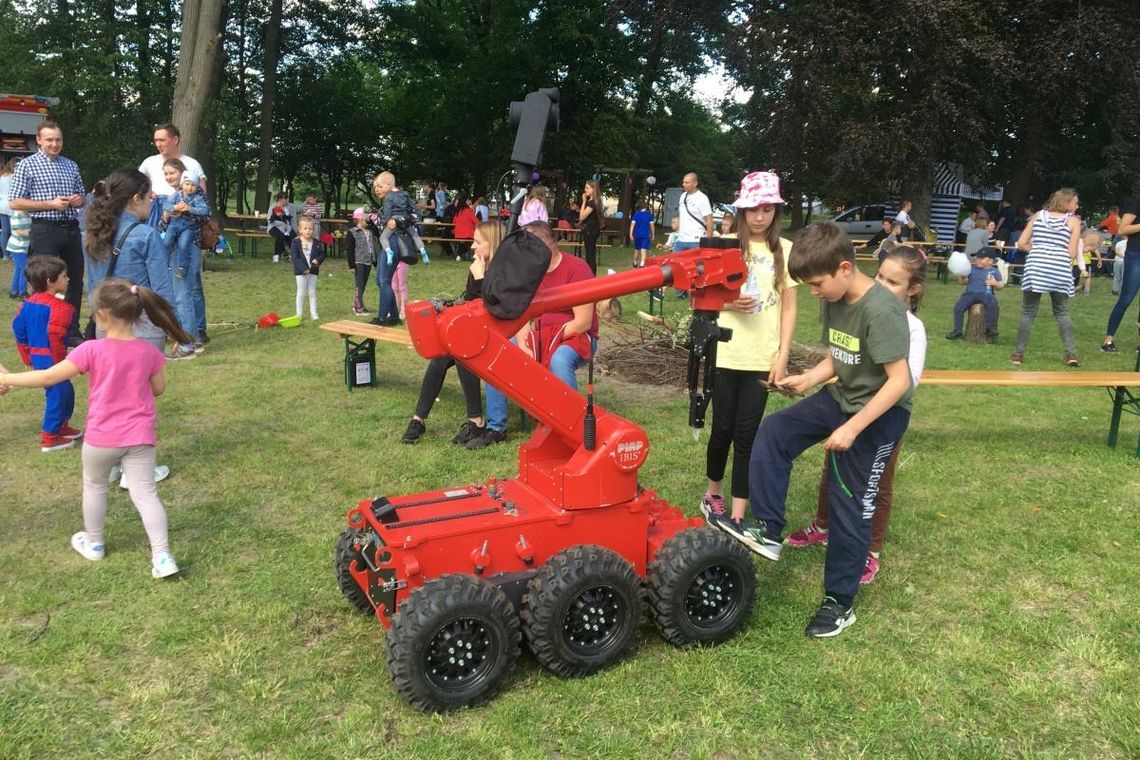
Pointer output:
253, 237
362, 352
1119, 384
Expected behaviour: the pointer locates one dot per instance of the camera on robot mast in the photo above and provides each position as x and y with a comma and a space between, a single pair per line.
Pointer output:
530, 118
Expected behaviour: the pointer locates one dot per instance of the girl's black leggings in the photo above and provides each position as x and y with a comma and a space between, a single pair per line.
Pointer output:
738, 406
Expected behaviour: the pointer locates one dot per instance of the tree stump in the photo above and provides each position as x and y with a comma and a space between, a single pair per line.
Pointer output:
976, 324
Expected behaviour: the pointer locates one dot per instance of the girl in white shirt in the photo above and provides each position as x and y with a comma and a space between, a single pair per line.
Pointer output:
903, 272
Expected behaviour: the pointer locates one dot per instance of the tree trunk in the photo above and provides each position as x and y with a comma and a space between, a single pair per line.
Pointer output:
201, 38
209, 131
242, 170
143, 22
795, 206
268, 91
168, 59
920, 194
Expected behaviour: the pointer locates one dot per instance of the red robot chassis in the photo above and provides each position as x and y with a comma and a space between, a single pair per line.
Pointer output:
567, 553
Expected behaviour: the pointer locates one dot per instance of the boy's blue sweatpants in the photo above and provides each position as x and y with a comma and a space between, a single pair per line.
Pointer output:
852, 480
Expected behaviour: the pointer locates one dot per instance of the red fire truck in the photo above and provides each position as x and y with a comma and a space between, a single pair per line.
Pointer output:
19, 117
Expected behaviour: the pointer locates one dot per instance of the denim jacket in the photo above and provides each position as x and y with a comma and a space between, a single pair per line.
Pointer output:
142, 259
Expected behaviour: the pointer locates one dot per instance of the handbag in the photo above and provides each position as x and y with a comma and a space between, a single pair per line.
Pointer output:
208, 233
89, 330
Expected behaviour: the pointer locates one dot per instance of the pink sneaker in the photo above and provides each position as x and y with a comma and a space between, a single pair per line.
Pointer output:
870, 571
809, 536
712, 504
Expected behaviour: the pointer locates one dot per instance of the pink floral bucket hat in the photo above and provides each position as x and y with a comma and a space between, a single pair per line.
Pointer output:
759, 189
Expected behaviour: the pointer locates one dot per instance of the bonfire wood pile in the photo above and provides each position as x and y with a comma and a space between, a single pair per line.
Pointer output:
654, 351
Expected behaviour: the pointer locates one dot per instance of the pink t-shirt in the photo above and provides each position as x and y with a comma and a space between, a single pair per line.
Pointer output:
120, 402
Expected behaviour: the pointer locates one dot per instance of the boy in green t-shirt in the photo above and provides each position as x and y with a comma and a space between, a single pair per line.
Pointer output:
860, 418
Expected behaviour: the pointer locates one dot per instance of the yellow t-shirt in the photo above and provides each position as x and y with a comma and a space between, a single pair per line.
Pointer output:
756, 337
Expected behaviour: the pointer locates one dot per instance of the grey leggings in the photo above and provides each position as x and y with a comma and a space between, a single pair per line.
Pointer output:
1029, 303
138, 469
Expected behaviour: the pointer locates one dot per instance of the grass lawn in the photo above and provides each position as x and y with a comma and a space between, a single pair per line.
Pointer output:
1002, 623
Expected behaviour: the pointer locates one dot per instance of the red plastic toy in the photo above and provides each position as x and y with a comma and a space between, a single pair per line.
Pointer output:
565, 553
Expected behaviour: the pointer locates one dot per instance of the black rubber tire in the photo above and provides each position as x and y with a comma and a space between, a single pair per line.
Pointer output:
565, 610
702, 587
453, 612
343, 557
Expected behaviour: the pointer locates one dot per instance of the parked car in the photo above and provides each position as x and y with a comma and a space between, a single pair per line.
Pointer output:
863, 222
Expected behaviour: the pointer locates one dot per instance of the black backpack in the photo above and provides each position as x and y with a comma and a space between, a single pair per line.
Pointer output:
515, 272
404, 246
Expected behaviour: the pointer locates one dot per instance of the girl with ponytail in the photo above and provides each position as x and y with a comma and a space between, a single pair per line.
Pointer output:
124, 375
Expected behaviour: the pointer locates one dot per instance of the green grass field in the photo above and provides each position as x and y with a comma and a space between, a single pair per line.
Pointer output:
1001, 625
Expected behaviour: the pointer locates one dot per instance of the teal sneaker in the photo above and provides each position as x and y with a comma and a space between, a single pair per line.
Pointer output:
754, 534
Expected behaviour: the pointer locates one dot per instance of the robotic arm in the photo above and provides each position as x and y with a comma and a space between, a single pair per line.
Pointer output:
556, 460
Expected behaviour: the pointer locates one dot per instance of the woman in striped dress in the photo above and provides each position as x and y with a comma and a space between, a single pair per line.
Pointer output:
1051, 239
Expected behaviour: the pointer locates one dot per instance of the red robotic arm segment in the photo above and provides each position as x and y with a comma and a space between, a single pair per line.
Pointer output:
555, 460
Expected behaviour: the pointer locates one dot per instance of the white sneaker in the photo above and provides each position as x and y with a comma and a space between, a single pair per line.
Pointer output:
163, 566
161, 472
93, 552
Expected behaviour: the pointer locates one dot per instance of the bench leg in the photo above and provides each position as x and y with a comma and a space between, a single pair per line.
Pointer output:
1114, 424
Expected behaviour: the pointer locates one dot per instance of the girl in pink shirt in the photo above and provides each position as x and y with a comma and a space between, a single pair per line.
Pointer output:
124, 376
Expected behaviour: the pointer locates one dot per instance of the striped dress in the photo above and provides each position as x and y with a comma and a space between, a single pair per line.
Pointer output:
1049, 267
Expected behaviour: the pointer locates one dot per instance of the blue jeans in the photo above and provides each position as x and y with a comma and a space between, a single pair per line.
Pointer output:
853, 479
179, 241
197, 294
184, 293
19, 282
563, 364
966, 300
384, 274
1129, 287
5, 232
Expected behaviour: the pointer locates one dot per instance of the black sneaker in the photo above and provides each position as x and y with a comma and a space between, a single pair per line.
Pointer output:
203, 338
486, 438
991, 336
831, 619
1108, 348
415, 429
953, 335
467, 431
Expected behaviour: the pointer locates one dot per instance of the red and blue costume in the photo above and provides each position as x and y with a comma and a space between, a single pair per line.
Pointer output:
40, 326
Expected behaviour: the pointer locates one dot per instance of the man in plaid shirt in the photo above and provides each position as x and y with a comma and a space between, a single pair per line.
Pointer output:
48, 187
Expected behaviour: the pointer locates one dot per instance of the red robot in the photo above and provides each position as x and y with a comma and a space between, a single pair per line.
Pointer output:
568, 552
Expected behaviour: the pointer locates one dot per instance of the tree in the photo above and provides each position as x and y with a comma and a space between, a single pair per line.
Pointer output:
268, 93
197, 63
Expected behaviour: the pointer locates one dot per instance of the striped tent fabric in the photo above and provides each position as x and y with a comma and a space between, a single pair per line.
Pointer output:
944, 210
947, 179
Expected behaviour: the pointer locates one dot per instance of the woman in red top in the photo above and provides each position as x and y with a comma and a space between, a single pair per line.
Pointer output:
464, 221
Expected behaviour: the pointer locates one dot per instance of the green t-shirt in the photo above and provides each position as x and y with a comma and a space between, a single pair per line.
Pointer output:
862, 337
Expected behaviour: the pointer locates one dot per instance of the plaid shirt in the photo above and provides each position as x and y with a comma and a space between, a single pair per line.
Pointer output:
39, 178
